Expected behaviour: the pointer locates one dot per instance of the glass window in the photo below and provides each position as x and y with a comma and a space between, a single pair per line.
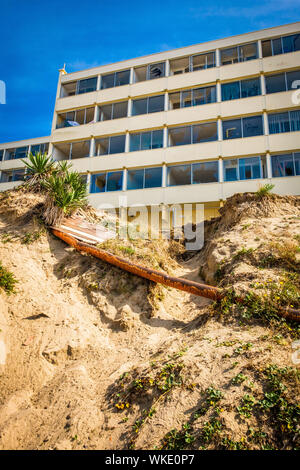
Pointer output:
278, 123
249, 168
250, 87
229, 56
179, 175
156, 104
115, 79
21, 152
230, 91
153, 177
135, 142
186, 98
275, 83
252, 126
119, 110
207, 132
292, 77
248, 52
291, 43
204, 95
87, 85
156, 70
266, 48
295, 120
230, 170
297, 163
135, 179
277, 46
105, 112
174, 100
1, 155
180, 136
205, 172
283, 165
18, 175
181, 65
157, 139
146, 140
232, 129
139, 107
98, 183
203, 61
80, 149
117, 144
114, 181
43, 148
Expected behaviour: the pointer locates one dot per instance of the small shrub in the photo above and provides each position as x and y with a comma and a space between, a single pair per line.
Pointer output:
7, 280
264, 190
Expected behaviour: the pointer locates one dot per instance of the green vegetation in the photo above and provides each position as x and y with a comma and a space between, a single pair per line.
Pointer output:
7, 280
264, 190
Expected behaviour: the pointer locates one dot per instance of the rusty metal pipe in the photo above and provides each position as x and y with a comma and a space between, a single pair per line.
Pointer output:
203, 290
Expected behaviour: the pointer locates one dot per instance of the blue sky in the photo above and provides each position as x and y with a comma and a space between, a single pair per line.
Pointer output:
38, 37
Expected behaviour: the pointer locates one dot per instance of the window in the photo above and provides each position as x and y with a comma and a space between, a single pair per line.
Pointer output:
193, 97
239, 54
281, 45
285, 165
146, 140
86, 85
179, 175
15, 153
7, 176
244, 168
144, 178
181, 65
149, 72
203, 61
104, 182
72, 151
43, 148
284, 122
152, 104
205, 172
110, 145
241, 89
1, 155
113, 111
242, 127
115, 79
282, 81
75, 118
198, 133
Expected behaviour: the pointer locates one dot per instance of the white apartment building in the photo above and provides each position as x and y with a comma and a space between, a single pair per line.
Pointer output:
191, 125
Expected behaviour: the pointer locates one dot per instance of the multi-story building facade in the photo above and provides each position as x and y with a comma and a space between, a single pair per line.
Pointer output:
191, 125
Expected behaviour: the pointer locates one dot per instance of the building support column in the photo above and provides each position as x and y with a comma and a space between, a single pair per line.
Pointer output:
220, 136
219, 95
165, 137
266, 123
124, 184
269, 165
218, 57
96, 113
98, 86
164, 175
262, 84
127, 142
129, 110
221, 170
166, 101
167, 74
131, 76
92, 147
260, 56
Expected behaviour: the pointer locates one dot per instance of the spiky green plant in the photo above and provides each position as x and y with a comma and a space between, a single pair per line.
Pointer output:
65, 194
39, 167
264, 190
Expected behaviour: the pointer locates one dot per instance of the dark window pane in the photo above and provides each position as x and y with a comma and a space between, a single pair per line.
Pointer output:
114, 181
278, 123
98, 183
232, 129
21, 152
204, 95
186, 98
106, 112
250, 87
206, 172
249, 168
117, 144
230, 91
153, 177
297, 163
18, 175
180, 136
122, 78
87, 85
156, 104
266, 48
295, 120
156, 70
275, 83
248, 52
229, 56
292, 77
277, 47
1, 155
203, 61
207, 132
252, 126
157, 139
135, 179
230, 170
139, 107
291, 43
178, 175
146, 140
135, 142
107, 81
282, 165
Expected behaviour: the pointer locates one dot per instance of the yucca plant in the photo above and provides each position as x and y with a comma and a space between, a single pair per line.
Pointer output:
39, 167
65, 194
